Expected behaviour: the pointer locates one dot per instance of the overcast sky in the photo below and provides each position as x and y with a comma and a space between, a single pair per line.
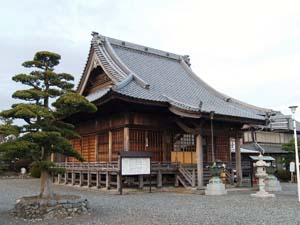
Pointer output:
249, 50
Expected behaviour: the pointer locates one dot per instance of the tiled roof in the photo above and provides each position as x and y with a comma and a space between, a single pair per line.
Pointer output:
281, 122
150, 74
268, 148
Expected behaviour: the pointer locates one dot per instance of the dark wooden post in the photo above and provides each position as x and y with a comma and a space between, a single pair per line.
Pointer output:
141, 181
238, 160
159, 179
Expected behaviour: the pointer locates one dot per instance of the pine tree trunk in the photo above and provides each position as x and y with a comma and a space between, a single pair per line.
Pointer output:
46, 185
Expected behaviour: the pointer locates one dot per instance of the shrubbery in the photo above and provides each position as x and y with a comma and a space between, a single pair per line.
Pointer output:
283, 175
35, 172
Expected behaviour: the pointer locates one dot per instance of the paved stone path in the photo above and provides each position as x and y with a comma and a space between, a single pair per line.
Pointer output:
161, 207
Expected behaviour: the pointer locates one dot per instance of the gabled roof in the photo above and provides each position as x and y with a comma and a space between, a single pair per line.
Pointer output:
149, 74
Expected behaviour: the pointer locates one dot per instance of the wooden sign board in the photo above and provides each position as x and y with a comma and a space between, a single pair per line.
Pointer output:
135, 166
134, 163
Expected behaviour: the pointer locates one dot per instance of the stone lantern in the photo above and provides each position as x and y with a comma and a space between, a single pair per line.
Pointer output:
261, 174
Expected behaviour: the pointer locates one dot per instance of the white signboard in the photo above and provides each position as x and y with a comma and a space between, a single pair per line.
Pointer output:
292, 167
135, 166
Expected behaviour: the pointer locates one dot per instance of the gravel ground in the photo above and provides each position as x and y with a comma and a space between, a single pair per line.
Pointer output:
161, 207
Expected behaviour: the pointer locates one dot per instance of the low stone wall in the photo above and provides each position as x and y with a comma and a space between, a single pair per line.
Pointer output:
63, 206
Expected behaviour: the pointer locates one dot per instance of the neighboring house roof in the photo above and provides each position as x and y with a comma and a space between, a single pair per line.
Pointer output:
150, 74
281, 122
268, 148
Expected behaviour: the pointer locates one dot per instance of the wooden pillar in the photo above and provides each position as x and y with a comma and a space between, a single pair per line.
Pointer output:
66, 178
199, 153
73, 178
89, 178
109, 146
141, 181
58, 178
98, 179
238, 160
159, 179
119, 182
126, 139
194, 178
107, 184
176, 181
80, 179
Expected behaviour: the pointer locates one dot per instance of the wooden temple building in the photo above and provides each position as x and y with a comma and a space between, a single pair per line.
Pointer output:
151, 100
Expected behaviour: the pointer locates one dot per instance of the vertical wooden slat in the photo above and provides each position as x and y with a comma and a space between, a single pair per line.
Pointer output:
109, 146
97, 148
126, 139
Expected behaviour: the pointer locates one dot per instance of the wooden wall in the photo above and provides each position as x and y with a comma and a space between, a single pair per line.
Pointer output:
102, 138
145, 134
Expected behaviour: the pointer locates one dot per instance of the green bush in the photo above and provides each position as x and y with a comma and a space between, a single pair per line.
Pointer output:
283, 175
3, 167
35, 172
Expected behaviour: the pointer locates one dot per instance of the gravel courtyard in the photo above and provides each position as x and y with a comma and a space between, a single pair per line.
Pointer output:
161, 207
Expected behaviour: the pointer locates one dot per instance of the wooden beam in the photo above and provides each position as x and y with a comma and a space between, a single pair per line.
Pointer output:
126, 139
238, 160
199, 154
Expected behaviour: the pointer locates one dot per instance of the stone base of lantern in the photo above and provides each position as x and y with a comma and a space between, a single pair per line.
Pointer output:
215, 187
262, 194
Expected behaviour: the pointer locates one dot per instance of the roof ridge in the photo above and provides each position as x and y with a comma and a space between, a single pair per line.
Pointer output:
139, 47
122, 65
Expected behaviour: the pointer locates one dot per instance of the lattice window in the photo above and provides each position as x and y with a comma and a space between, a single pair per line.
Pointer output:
117, 143
147, 140
88, 148
103, 147
184, 143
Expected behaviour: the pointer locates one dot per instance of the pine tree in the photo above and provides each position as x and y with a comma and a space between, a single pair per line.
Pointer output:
44, 132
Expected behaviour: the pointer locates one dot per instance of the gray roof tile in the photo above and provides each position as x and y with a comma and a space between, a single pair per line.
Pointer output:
151, 74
